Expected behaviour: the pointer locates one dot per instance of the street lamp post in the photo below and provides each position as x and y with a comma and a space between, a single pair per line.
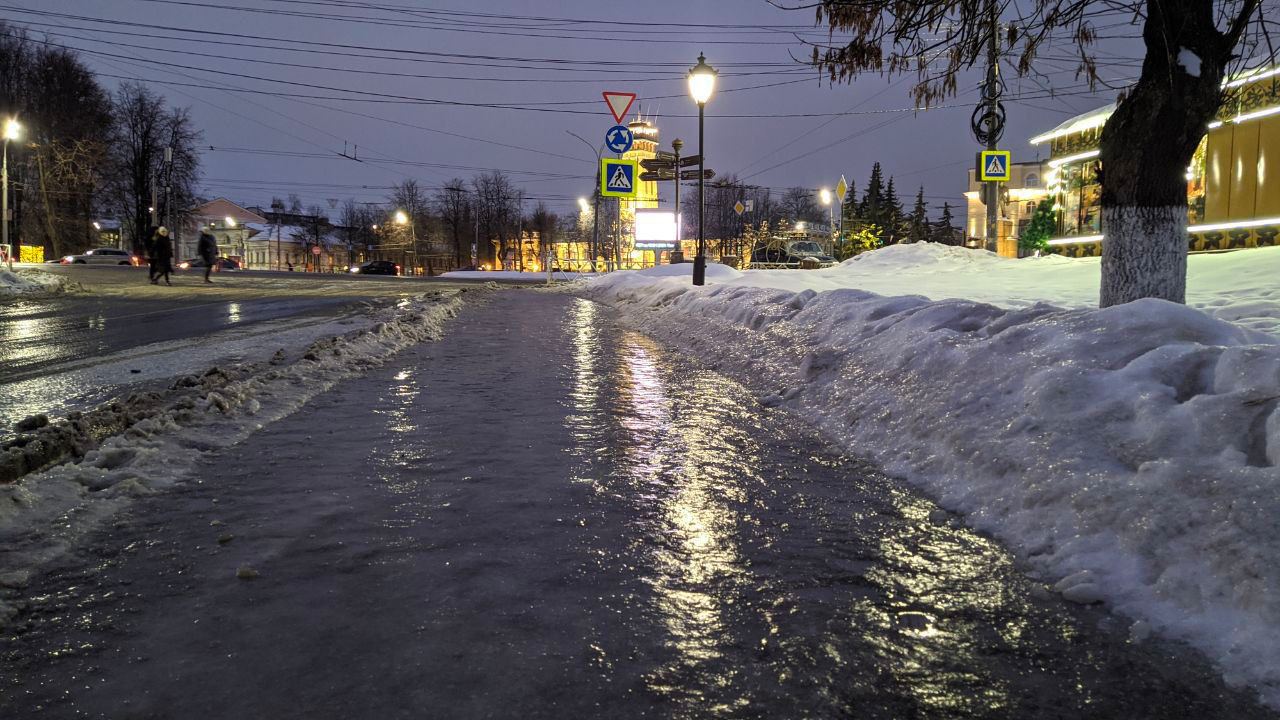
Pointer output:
595, 230
825, 195
702, 82
12, 130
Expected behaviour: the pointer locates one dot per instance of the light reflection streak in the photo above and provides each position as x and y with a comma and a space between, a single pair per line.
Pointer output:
233, 312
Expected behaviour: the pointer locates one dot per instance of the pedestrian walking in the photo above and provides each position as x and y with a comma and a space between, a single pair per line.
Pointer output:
163, 253
208, 251
149, 245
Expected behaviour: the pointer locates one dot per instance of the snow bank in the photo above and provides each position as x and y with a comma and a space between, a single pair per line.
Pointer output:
150, 441
26, 282
1236, 286
1127, 454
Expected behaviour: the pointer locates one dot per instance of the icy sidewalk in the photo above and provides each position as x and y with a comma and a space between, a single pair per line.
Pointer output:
1128, 453
97, 461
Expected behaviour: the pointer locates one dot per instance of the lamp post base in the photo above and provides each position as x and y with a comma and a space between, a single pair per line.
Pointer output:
700, 270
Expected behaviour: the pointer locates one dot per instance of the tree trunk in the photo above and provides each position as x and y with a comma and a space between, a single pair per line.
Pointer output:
1146, 147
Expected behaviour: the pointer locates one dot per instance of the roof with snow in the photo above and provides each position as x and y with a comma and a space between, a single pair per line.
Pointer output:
1079, 123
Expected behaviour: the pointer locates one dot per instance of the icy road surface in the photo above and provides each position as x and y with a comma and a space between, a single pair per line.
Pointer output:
545, 515
71, 351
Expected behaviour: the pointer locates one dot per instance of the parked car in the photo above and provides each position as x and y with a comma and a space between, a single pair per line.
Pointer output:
791, 253
376, 267
100, 256
219, 265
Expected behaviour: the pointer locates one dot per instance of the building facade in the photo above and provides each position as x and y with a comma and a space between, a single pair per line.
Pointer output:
1025, 189
1233, 181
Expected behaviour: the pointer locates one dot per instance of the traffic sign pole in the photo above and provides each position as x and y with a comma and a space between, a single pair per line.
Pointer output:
677, 255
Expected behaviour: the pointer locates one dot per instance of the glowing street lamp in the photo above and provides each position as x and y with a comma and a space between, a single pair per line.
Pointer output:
229, 221
12, 131
584, 205
825, 196
702, 83
401, 218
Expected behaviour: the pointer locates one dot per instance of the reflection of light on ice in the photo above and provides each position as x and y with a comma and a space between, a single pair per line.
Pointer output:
233, 312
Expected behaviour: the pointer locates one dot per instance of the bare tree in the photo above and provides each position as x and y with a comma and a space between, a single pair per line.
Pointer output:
454, 207
144, 127
316, 230
1147, 143
357, 221
496, 209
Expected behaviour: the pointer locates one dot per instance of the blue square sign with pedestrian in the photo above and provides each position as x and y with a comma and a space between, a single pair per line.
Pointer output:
618, 177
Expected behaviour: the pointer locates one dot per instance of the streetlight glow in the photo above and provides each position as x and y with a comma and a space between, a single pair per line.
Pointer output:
12, 130
825, 195
582, 203
401, 218
702, 81
230, 221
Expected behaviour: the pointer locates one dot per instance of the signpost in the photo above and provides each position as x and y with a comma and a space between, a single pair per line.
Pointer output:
619, 103
618, 178
994, 166
665, 175
618, 139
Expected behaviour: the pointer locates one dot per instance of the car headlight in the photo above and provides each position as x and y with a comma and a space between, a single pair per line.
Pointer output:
355, 268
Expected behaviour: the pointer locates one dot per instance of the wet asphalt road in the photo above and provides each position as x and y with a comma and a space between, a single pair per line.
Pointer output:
546, 515
117, 311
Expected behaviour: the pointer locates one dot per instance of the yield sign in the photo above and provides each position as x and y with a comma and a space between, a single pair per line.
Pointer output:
619, 103
842, 189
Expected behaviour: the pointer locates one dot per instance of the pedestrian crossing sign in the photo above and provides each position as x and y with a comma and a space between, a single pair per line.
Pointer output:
993, 166
618, 177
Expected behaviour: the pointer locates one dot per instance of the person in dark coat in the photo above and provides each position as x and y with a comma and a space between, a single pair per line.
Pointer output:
208, 251
163, 254
149, 246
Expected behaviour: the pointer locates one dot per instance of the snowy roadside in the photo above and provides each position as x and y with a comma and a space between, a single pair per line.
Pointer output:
1237, 286
1127, 455
78, 471
33, 282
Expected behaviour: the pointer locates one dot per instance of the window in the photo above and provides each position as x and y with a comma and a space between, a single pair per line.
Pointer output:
1031, 180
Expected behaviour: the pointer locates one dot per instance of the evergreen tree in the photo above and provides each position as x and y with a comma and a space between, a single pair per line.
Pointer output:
918, 230
893, 215
1043, 223
944, 230
872, 208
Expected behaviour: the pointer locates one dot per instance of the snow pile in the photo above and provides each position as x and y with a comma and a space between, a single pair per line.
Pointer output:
1236, 286
1127, 455
151, 440
26, 282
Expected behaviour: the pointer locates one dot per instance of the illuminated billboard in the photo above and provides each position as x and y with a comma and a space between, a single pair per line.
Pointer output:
655, 229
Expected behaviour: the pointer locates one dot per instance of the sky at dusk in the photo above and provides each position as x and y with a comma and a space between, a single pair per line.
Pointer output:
414, 85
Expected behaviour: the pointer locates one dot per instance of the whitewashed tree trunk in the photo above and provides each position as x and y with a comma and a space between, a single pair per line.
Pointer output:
1150, 139
1144, 255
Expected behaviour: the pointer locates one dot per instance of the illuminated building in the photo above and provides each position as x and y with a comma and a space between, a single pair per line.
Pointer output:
1233, 182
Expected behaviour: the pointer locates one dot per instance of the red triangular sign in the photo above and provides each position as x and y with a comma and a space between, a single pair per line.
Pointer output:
619, 103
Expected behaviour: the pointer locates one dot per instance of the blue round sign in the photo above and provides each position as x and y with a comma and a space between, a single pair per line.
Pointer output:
618, 139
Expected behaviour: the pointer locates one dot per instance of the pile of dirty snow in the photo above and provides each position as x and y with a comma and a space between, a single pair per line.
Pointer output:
1237, 286
26, 282
64, 477
1128, 455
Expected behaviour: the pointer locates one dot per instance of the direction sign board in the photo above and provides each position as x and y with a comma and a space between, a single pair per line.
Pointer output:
618, 178
664, 155
619, 103
670, 174
663, 163
994, 166
618, 139
842, 189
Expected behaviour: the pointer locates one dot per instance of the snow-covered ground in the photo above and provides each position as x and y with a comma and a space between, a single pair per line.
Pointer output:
1128, 455
26, 281
151, 440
